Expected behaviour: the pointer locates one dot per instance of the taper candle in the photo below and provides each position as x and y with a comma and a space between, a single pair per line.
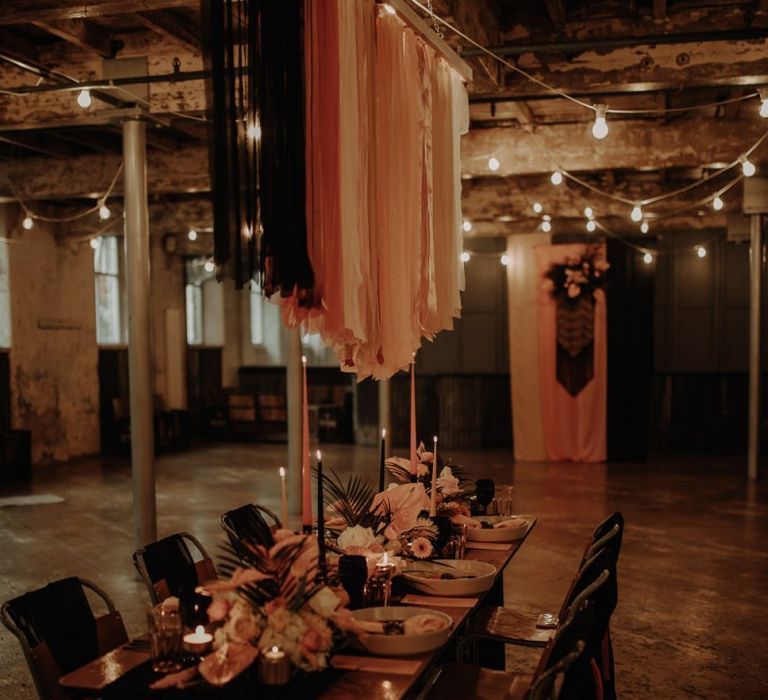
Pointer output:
382, 458
320, 512
283, 498
413, 419
306, 485
433, 492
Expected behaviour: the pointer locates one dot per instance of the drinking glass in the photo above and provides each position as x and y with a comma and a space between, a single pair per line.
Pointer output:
504, 500
165, 637
353, 573
457, 542
484, 492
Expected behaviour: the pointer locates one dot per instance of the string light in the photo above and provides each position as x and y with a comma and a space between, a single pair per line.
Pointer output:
95, 243
600, 127
591, 225
254, 131
763, 93
748, 167
209, 266
104, 212
466, 225
556, 178
637, 213
27, 223
390, 9
589, 213
546, 226
84, 98
505, 260
465, 256
717, 203
701, 251
644, 227
192, 234
537, 208
647, 258
493, 163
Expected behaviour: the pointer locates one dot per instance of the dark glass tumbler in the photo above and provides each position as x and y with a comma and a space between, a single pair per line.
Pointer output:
353, 573
485, 490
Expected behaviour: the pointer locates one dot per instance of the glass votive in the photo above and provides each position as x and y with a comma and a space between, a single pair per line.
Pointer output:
165, 632
274, 667
378, 590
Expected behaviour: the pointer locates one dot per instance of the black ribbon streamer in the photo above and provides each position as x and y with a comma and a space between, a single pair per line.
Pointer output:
254, 55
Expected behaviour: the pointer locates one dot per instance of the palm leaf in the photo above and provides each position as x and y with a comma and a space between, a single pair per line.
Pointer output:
351, 499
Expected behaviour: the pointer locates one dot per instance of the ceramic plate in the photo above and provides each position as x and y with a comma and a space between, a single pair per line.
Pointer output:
402, 645
513, 532
436, 579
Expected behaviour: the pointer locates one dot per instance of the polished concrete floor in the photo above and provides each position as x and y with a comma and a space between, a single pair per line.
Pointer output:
693, 574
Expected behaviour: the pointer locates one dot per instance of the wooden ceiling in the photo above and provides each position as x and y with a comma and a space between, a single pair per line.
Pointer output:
629, 54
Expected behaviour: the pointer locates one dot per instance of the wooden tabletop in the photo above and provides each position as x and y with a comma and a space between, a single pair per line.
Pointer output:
395, 679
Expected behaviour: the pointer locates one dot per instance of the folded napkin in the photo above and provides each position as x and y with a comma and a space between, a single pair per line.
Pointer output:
438, 601
418, 624
175, 680
459, 519
498, 546
512, 522
398, 667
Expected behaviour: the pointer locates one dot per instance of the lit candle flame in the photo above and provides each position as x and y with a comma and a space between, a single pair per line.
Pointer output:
383, 433
282, 472
435, 439
275, 649
304, 360
385, 558
199, 631
319, 455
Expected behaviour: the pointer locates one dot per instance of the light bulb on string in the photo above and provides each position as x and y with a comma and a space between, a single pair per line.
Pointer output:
104, 212
637, 213
546, 226
748, 167
465, 256
466, 225
209, 266
84, 98
591, 226
763, 92
556, 178
192, 234
505, 260
589, 213
647, 258
254, 131
95, 243
701, 251
28, 223
644, 227
390, 9
717, 203
600, 127
493, 164
537, 207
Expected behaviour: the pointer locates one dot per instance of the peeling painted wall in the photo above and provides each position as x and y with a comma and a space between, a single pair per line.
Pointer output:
54, 382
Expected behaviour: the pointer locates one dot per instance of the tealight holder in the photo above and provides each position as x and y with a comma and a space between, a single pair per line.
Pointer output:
199, 642
274, 667
378, 588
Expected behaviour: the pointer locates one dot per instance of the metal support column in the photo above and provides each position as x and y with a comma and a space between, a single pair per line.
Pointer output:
136, 215
385, 410
755, 299
293, 389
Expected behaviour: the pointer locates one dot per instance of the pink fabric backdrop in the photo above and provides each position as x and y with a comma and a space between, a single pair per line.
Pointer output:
574, 427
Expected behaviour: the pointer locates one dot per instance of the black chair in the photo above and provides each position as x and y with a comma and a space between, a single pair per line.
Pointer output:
58, 631
169, 568
247, 524
520, 628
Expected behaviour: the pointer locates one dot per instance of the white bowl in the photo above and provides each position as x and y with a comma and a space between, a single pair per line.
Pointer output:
402, 645
482, 579
499, 534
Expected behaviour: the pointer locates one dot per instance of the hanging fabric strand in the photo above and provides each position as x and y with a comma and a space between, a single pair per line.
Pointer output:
255, 99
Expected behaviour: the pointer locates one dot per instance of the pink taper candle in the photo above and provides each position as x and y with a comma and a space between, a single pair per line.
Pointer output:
283, 498
306, 485
433, 492
413, 419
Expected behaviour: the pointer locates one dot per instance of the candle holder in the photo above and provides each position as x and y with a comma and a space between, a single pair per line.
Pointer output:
274, 667
198, 643
378, 589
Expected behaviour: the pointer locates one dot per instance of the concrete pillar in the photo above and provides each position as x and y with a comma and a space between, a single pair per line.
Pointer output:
294, 390
139, 350
755, 298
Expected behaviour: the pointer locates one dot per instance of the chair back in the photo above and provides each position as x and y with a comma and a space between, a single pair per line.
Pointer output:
543, 686
247, 523
169, 568
603, 528
58, 632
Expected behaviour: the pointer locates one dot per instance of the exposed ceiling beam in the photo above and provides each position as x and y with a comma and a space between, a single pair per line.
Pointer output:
556, 12
39, 143
659, 9
18, 45
760, 16
18, 11
636, 144
81, 33
172, 27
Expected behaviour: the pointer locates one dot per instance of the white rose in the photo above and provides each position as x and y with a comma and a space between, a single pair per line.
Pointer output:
324, 602
448, 483
356, 536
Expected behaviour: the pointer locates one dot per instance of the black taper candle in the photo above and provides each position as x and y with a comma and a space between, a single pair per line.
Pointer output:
320, 513
382, 458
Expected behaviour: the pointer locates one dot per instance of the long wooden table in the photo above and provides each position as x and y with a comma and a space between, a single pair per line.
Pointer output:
101, 675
